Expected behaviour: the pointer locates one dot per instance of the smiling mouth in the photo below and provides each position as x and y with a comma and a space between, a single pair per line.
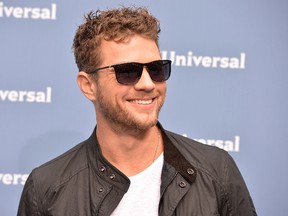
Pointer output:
142, 102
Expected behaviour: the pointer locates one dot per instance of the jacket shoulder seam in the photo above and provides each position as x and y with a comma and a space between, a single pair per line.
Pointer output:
62, 182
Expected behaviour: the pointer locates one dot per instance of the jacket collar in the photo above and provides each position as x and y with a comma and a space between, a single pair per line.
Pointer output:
173, 156
104, 169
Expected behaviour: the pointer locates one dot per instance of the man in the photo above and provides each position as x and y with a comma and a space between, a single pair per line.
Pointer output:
130, 165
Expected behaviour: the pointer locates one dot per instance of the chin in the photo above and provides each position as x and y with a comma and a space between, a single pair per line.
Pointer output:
145, 124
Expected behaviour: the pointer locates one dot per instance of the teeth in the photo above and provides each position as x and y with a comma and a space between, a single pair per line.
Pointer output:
144, 102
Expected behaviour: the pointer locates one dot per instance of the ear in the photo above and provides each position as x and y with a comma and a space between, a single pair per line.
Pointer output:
87, 85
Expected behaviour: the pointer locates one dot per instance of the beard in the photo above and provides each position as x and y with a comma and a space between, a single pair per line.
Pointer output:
123, 119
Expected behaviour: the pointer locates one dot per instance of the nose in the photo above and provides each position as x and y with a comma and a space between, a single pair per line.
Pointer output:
145, 82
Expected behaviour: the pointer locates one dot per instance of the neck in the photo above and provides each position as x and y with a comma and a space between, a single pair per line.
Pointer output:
131, 153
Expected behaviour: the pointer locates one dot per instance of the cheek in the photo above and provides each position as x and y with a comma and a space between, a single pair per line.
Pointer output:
109, 94
162, 88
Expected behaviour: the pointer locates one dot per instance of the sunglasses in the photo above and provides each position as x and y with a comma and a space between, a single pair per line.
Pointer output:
130, 73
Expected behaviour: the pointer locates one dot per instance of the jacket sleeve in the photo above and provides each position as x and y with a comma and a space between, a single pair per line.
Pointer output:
28, 205
237, 198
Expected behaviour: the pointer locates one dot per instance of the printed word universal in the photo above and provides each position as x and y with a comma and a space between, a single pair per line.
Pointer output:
227, 145
48, 13
191, 60
27, 96
231, 145
13, 178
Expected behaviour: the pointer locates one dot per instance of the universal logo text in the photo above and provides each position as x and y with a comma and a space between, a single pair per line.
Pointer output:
27, 96
46, 13
192, 60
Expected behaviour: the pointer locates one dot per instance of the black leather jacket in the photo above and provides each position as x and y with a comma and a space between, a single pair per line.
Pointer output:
197, 180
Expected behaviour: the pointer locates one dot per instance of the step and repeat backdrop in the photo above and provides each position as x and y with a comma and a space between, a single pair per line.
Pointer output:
228, 88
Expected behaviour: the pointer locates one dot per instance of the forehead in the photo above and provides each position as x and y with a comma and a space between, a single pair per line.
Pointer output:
133, 49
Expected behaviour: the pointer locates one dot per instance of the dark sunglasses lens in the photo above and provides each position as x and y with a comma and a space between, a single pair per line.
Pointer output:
128, 73
159, 70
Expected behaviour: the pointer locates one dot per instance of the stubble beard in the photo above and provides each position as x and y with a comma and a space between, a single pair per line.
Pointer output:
123, 120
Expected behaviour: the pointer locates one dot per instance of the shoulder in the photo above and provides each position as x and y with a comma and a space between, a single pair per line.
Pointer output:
216, 170
198, 150
53, 179
60, 170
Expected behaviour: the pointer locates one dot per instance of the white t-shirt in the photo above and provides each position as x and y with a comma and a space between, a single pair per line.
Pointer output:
143, 195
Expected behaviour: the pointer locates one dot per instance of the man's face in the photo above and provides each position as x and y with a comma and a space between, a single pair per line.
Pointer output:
134, 106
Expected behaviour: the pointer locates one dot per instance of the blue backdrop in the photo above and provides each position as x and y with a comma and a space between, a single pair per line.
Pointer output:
228, 86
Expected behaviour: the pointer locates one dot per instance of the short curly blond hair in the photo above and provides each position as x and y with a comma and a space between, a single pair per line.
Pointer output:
115, 24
